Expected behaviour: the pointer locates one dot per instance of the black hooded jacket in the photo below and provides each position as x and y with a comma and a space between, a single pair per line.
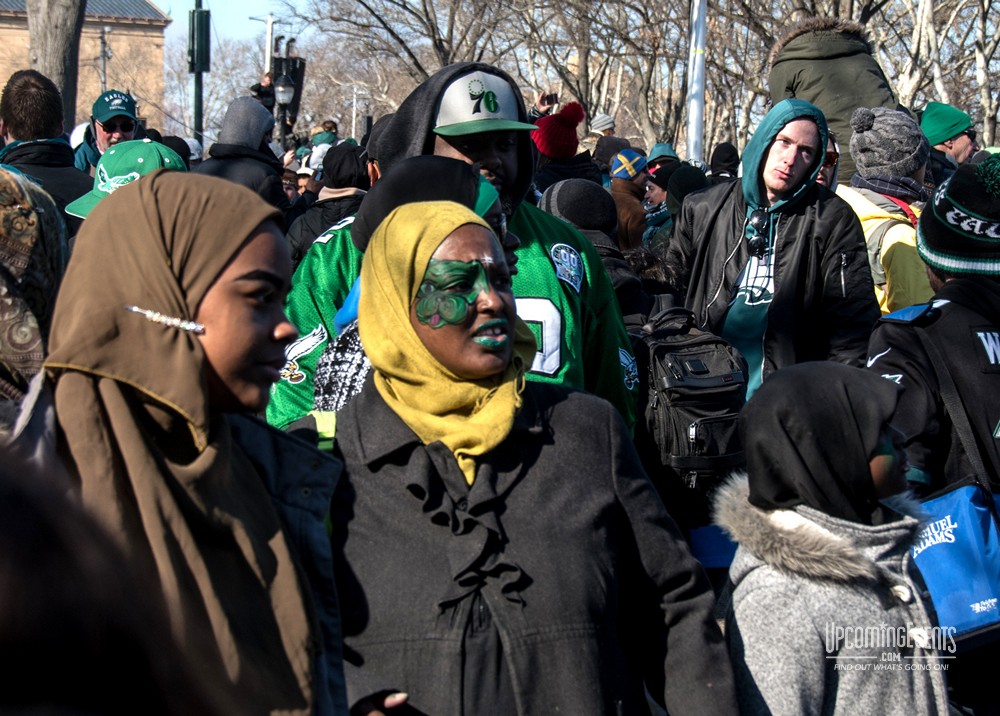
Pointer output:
410, 132
256, 169
50, 164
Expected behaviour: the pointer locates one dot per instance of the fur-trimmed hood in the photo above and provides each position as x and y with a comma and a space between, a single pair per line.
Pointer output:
851, 33
810, 544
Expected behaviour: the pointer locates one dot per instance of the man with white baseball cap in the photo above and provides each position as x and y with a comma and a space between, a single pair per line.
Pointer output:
475, 112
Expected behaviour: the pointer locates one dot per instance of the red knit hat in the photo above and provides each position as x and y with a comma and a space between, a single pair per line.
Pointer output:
556, 134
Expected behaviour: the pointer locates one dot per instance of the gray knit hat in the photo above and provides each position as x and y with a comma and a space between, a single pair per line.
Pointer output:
600, 122
245, 124
887, 143
584, 203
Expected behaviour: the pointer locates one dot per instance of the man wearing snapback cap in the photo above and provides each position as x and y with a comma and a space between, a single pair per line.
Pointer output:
475, 112
124, 163
112, 120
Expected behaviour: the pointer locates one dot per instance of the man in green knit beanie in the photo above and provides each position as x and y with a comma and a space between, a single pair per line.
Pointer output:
952, 138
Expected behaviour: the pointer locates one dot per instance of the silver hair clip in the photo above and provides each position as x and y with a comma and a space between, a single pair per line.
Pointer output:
171, 321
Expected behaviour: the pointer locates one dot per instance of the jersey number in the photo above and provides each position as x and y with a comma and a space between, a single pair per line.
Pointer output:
543, 312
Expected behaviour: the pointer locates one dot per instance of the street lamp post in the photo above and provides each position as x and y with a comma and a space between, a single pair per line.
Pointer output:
105, 56
284, 91
354, 112
270, 22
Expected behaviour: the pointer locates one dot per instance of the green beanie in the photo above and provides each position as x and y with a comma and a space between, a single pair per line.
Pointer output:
940, 122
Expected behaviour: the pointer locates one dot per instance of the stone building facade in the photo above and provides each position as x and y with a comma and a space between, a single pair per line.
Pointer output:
133, 30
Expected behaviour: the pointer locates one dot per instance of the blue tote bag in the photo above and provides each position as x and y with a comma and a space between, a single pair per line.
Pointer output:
958, 555
958, 551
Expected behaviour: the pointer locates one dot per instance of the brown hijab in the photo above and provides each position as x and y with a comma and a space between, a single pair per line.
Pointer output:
156, 465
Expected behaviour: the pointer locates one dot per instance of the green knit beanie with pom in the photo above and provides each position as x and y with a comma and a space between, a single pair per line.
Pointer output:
959, 230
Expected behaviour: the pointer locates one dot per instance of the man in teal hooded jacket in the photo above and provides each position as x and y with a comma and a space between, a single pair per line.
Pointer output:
776, 263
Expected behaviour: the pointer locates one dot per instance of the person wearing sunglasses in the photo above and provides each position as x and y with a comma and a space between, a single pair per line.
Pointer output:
112, 120
828, 172
952, 137
773, 263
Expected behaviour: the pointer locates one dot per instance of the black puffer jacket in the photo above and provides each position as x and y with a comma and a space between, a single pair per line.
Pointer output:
258, 171
824, 303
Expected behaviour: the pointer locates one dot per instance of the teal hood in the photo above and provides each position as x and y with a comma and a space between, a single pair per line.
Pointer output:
785, 111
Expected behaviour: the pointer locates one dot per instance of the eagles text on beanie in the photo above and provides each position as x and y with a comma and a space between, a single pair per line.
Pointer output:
959, 231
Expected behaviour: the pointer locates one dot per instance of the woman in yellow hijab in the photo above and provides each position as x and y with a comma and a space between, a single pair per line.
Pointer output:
498, 548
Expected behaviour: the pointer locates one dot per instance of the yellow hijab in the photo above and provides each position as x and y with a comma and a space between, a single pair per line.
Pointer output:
469, 417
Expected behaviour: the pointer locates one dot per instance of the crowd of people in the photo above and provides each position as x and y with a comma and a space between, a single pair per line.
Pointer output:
351, 428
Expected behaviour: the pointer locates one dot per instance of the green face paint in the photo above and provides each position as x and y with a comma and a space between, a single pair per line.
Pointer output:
448, 290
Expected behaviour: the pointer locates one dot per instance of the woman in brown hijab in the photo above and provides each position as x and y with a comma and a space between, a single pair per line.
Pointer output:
168, 326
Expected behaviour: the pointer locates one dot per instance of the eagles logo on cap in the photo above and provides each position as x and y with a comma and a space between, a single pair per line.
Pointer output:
113, 104
123, 164
478, 102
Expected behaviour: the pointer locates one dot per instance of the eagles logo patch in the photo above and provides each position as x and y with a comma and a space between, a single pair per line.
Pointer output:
303, 346
629, 368
569, 265
108, 184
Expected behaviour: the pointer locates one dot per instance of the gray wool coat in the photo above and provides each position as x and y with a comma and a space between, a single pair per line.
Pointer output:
824, 615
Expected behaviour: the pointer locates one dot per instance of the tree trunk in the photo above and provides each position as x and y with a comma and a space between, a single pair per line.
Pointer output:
54, 28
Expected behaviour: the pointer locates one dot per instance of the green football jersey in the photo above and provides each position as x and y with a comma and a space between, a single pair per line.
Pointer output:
319, 287
565, 296
561, 289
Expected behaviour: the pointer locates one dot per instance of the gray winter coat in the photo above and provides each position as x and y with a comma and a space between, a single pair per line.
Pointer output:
824, 616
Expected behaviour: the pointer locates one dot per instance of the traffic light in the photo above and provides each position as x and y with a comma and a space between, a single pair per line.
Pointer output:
199, 41
297, 71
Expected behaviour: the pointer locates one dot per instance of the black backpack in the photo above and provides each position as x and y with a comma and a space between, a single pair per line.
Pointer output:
692, 388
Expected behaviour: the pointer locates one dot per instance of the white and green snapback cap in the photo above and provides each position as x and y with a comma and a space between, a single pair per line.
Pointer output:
478, 102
